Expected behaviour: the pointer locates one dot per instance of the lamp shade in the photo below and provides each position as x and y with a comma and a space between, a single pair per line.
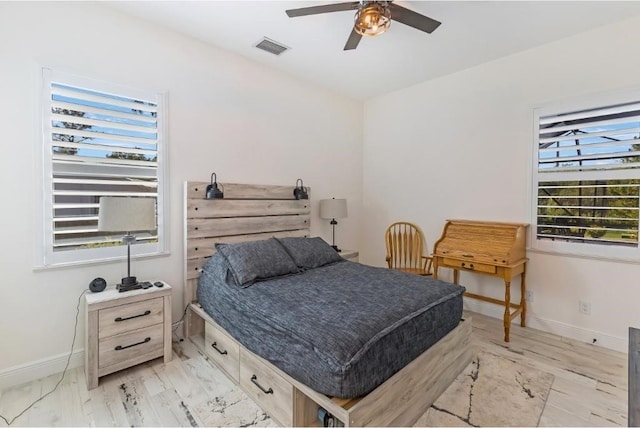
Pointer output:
333, 208
123, 214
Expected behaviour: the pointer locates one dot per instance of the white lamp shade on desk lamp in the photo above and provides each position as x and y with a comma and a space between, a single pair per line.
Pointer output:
122, 214
333, 208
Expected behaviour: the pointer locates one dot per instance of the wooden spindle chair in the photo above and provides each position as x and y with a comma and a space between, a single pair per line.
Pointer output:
405, 249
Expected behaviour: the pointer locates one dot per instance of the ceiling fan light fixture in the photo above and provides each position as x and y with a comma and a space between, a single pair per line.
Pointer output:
372, 19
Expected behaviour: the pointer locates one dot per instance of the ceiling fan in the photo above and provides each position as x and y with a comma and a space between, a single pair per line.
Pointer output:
372, 18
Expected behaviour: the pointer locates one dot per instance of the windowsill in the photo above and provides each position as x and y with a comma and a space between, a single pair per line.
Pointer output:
83, 263
584, 256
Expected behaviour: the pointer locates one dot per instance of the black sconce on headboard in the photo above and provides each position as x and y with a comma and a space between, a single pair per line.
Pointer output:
213, 192
300, 192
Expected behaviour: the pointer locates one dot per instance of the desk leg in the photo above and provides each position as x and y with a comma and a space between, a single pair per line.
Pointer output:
455, 276
523, 301
507, 310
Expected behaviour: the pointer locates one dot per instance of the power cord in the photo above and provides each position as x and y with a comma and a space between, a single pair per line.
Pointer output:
64, 372
176, 324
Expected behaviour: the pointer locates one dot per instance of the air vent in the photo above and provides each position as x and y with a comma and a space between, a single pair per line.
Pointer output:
271, 46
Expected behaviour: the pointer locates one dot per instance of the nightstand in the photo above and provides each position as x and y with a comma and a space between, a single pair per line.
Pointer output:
350, 255
125, 329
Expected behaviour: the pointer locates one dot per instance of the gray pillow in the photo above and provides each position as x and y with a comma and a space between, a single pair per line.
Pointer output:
256, 260
310, 253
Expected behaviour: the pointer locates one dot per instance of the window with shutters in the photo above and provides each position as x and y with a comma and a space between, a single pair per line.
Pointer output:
587, 178
98, 140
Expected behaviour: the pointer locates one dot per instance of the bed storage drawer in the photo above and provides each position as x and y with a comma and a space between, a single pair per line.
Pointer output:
270, 390
223, 350
130, 317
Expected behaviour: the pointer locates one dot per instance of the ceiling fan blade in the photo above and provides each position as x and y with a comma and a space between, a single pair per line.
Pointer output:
326, 8
413, 19
352, 41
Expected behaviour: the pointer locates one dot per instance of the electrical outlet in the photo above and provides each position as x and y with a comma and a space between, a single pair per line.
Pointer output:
585, 307
528, 296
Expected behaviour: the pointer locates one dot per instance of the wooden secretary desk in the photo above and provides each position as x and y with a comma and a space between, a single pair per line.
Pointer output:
490, 248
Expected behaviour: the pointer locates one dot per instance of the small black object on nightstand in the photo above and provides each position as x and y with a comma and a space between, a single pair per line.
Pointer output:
97, 285
158, 284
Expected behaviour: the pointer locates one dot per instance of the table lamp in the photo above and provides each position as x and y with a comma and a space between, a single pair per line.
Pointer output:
333, 209
127, 214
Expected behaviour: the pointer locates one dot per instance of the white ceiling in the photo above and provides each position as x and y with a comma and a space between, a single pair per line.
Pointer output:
472, 32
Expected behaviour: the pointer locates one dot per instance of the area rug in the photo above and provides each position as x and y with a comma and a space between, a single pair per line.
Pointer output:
492, 391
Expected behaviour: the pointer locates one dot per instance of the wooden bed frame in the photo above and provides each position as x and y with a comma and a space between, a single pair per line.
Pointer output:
250, 212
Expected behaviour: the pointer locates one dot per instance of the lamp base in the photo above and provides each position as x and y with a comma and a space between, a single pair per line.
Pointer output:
335, 247
129, 281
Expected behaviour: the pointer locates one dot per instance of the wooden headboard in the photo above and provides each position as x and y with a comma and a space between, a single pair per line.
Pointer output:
247, 212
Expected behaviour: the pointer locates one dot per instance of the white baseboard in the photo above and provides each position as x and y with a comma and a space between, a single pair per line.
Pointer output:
620, 344
38, 369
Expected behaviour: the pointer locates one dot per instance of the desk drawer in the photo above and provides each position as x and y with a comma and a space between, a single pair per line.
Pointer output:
470, 265
223, 350
130, 317
139, 345
270, 390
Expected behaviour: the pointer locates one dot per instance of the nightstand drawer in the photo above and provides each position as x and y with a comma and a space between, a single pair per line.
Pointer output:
270, 390
130, 317
223, 350
142, 344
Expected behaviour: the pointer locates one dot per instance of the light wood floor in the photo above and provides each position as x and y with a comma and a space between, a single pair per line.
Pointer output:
589, 389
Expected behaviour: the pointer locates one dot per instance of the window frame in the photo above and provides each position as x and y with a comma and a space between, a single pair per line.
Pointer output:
593, 251
45, 256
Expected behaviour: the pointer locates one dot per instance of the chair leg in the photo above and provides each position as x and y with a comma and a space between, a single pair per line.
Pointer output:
429, 266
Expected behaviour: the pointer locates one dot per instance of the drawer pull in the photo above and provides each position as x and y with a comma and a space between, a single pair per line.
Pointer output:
214, 345
468, 255
120, 348
254, 379
135, 316
464, 265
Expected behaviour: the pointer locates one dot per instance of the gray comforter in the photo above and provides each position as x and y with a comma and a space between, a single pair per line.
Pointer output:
341, 329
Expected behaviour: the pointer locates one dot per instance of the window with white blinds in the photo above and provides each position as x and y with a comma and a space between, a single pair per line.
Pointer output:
98, 140
587, 180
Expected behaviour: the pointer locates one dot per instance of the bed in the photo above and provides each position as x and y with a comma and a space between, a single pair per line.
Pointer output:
363, 369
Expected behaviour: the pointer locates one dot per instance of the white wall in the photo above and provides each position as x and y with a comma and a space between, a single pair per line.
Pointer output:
246, 122
460, 147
